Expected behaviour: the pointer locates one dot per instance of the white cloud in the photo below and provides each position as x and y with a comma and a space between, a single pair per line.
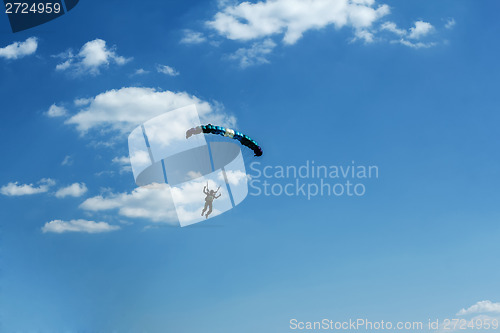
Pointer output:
450, 23
417, 45
141, 71
193, 175
420, 30
254, 55
167, 70
392, 27
123, 109
482, 312
121, 160
140, 159
82, 101
63, 66
192, 37
93, 56
152, 202
480, 307
68, 160
16, 189
247, 21
124, 162
234, 177
56, 111
104, 173
73, 190
364, 35
161, 203
91, 227
18, 50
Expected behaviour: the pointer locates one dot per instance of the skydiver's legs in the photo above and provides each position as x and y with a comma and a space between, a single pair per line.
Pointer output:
205, 208
209, 209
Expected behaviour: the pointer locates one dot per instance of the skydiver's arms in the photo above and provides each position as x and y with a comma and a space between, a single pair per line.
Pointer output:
217, 196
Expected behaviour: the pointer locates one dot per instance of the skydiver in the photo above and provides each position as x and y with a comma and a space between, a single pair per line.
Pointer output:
210, 196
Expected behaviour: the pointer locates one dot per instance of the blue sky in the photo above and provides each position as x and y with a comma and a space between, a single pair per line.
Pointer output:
410, 87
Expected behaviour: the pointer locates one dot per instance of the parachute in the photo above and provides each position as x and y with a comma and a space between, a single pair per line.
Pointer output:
227, 132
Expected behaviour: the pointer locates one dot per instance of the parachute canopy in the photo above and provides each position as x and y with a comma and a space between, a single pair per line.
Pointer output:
227, 132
